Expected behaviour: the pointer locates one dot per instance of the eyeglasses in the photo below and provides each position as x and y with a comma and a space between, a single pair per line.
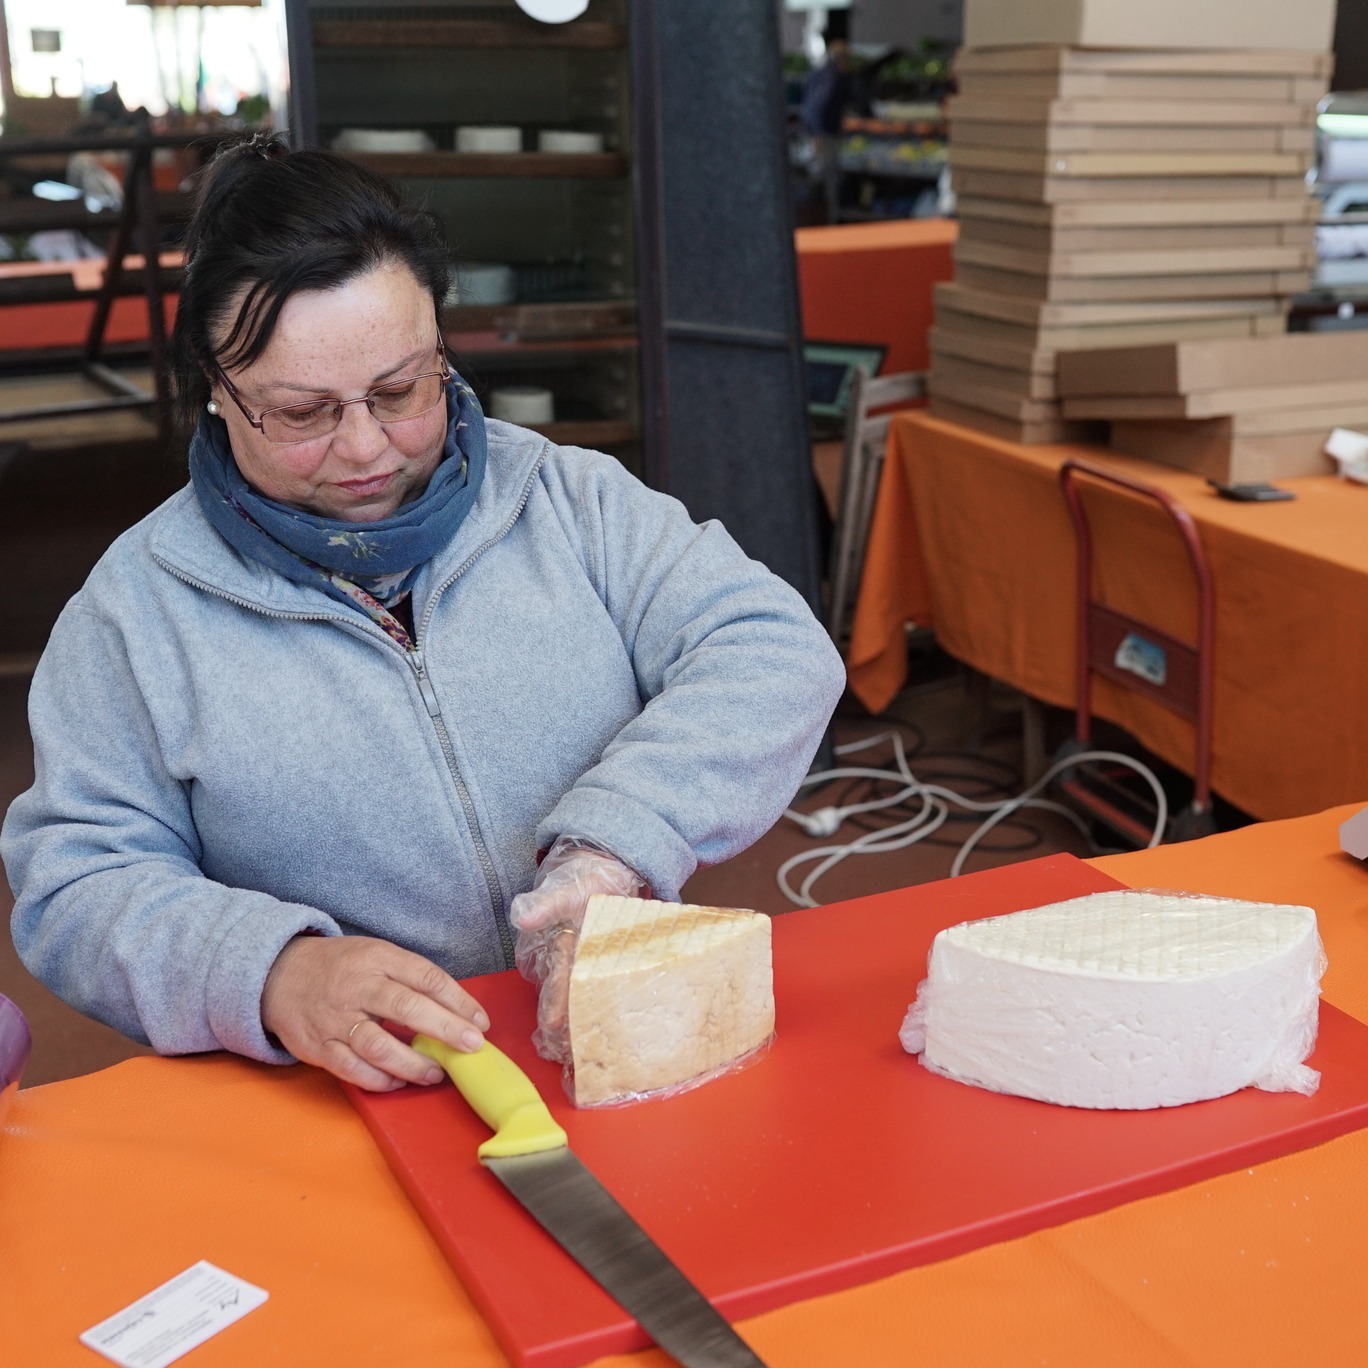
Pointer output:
395, 402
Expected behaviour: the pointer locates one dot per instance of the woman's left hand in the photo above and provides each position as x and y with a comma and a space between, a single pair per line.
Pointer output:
547, 920
326, 997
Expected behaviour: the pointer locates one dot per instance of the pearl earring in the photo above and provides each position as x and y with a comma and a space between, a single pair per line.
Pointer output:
212, 408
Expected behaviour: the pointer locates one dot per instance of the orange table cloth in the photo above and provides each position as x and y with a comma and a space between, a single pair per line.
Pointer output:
871, 282
112, 1183
971, 535
65, 322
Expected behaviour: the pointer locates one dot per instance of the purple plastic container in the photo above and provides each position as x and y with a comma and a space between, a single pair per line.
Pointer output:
15, 1043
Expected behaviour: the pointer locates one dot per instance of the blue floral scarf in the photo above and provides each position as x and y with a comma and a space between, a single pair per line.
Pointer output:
368, 565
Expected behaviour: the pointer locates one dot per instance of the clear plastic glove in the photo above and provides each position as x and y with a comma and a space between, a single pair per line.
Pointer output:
546, 921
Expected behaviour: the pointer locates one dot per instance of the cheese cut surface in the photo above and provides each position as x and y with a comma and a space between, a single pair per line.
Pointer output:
663, 995
1124, 999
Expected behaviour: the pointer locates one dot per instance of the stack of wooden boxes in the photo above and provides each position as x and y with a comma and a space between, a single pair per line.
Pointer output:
1118, 195
1239, 411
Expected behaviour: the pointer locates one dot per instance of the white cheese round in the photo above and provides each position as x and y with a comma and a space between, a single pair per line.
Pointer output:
1124, 999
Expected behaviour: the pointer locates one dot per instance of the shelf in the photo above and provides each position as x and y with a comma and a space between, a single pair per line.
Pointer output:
895, 128
464, 33
25, 216
494, 344
56, 284
591, 432
436, 165
132, 423
545, 322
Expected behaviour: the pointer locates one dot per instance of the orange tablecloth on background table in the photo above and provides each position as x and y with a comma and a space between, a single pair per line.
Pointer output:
871, 282
111, 1184
971, 535
65, 322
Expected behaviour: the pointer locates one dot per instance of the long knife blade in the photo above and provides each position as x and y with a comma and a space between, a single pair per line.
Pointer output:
529, 1153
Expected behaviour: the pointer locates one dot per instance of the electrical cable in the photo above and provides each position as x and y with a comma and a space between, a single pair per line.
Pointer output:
1027, 799
933, 813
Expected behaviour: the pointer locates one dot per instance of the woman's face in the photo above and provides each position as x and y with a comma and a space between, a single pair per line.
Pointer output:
340, 344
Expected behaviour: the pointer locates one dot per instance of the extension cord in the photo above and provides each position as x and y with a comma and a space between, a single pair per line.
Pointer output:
935, 812
824, 822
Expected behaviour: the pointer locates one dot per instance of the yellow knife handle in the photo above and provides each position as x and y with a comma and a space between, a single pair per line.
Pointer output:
503, 1097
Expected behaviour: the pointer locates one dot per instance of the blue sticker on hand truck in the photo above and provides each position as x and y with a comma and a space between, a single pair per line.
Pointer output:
1143, 658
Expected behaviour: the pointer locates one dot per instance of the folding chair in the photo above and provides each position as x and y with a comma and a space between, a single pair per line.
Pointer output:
1136, 655
872, 401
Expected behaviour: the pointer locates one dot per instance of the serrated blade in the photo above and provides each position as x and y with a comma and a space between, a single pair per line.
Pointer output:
587, 1221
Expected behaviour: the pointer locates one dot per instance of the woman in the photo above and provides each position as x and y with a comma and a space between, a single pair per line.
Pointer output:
303, 734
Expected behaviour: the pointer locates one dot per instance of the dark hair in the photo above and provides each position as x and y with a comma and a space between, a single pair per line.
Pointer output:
273, 222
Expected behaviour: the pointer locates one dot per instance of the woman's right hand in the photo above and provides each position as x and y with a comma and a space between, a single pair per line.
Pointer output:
326, 996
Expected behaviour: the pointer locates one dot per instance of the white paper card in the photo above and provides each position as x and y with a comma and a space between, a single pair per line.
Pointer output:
158, 1328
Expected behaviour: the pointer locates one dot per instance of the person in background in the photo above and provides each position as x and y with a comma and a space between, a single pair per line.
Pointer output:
826, 94
387, 691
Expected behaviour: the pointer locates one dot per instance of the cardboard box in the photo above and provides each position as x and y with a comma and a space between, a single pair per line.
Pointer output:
954, 294
1202, 367
990, 399
1030, 336
1218, 260
1102, 113
956, 336
1054, 139
1150, 59
1028, 434
1218, 450
975, 374
1086, 85
1200, 212
1042, 189
1270, 24
1142, 165
1289, 422
1047, 239
1096, 289
1312, 401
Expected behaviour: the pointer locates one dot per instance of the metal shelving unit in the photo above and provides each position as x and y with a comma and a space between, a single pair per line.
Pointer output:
656, 279
563, 221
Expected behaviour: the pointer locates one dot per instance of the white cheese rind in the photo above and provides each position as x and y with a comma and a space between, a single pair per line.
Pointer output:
665, 995
1125, 999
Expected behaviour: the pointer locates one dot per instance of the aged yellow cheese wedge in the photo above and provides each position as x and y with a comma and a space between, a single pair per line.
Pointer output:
665, 995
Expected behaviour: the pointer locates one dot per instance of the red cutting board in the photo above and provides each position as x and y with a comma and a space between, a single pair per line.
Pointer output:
836, 1158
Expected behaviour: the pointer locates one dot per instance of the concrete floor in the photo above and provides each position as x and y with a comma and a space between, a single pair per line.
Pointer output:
59, 508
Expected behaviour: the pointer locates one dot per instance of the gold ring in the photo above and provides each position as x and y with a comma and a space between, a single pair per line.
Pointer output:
352, 1032
562, 931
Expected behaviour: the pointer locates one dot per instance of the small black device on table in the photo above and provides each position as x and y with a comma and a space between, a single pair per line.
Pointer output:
1252, 493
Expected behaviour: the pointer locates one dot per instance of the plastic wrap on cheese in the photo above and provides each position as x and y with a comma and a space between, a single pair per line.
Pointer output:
1125, 999
665, 996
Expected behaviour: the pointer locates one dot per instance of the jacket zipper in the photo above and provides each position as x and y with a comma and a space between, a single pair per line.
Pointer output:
435, 712
419, 668
415, 659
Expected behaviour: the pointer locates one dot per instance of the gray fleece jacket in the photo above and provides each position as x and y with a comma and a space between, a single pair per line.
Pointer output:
226, 759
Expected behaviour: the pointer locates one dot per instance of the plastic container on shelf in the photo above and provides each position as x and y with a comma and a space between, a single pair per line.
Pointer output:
383, 140
569, 140
489, 138
483, 283
525, 404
